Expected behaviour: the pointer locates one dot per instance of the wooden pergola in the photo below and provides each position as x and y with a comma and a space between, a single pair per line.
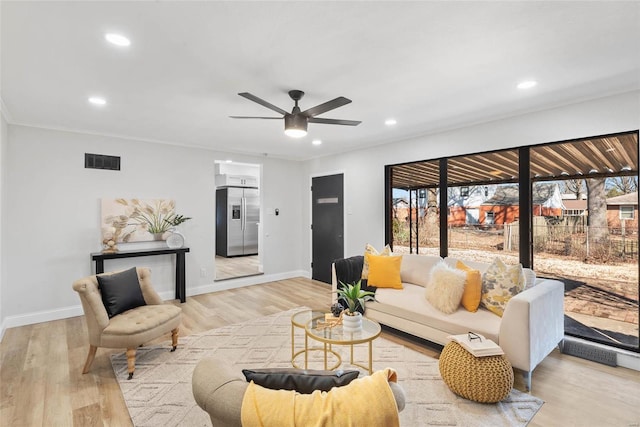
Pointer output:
600, 157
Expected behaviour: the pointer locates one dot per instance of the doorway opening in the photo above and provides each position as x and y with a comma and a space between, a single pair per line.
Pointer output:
237, 218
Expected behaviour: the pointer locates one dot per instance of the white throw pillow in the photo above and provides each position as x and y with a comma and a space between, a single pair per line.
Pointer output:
445, 288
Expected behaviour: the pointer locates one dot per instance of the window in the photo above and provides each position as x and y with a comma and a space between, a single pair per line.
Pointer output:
464, 191
627, 212
489, 218
573, 212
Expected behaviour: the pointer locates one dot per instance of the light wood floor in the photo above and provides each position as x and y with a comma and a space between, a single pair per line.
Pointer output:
240, 266
41, 382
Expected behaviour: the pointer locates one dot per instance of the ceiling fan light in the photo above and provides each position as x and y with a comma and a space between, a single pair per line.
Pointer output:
295, 126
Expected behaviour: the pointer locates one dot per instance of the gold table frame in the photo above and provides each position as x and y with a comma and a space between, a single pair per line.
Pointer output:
300, 320
336, 336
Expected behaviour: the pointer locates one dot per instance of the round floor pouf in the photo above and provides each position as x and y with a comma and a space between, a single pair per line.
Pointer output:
481, 379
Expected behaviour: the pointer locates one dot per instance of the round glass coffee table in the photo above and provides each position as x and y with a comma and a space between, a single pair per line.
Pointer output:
300, 320
336, 336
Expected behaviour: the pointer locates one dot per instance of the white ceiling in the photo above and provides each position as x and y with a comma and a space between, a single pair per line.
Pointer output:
430, 65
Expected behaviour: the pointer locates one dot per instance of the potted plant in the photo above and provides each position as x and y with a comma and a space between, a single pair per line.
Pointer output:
353, 296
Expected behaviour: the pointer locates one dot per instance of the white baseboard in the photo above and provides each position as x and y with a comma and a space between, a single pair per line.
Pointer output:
245, 281
73, 311
41, 316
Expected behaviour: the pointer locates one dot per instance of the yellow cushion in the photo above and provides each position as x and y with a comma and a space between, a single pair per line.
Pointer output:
472, 288
384, 271
373, 251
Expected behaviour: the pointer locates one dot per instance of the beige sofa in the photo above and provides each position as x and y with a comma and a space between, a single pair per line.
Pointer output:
531, 327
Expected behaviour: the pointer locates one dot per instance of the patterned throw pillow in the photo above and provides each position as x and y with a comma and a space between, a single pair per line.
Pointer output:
372, 251
500, 283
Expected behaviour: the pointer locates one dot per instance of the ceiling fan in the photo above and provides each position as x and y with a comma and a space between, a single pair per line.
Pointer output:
295, 123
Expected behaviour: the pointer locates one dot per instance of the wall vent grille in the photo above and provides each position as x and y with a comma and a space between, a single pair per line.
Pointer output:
100, 161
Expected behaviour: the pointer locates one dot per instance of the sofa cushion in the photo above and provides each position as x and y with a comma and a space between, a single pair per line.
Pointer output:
472, 288
384, 271
303, 381
410, 304
120, 291
417, 268
369, 249
445, 288
500, 283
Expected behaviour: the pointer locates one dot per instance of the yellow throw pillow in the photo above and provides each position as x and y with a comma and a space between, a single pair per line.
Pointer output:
372, 251
472, 288
384, 271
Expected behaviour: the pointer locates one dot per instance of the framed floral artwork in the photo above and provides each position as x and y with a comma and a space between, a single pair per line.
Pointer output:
136, 220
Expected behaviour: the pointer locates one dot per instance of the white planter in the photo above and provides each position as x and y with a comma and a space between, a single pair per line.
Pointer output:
352, 323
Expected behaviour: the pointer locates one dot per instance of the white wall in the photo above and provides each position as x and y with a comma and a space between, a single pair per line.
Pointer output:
53, 215
364, 169
3, 169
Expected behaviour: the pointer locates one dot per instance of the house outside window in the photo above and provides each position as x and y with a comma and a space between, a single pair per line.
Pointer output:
627, 212
464, 191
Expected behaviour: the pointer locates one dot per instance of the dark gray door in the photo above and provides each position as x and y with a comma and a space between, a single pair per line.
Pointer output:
327, 216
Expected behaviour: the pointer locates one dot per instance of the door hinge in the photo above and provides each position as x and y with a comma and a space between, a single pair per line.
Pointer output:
312, 265
312, 226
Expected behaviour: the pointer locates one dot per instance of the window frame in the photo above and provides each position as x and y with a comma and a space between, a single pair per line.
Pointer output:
629, 218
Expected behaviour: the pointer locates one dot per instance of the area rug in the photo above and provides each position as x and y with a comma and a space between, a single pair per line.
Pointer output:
160, 391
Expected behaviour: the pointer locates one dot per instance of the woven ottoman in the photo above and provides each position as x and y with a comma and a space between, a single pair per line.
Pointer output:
481, 379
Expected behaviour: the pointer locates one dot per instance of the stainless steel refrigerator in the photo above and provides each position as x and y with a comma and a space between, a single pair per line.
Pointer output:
237, 218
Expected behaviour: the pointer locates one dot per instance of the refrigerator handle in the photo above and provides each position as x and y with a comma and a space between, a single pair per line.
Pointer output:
243, 208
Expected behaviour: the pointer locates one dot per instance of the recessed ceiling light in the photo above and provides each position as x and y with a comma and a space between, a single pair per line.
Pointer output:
626, 168
316, 142
96, 100
564, 173
528, 84
390, 122
228, 161
117, 39
593, 171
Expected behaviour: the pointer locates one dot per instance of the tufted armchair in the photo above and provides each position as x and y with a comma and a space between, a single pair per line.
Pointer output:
131, 328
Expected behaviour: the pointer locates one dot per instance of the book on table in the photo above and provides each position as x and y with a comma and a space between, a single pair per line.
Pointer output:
477, 344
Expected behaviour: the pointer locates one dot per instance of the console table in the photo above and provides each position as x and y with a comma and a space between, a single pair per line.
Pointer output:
99, 258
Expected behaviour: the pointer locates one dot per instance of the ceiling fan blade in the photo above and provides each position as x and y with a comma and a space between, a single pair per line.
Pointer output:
263, 102
334, 121
254, 117
329, 105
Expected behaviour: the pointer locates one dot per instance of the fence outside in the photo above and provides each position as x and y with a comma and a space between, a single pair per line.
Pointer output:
568, 237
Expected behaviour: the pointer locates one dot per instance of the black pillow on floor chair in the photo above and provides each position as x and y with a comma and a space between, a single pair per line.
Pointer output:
304, 381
